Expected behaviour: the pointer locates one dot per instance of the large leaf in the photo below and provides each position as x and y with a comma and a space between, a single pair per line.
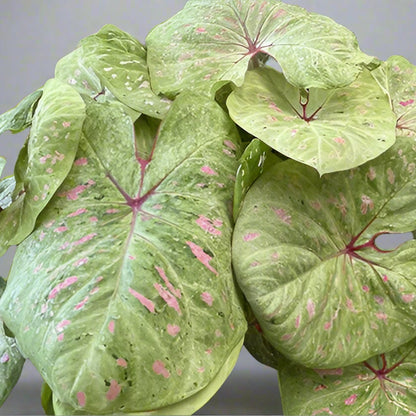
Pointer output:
210, 43
20, 117
44, 161
383, 385
131, 294
330, 130
397, 76
11, 360
119, 61
305, 256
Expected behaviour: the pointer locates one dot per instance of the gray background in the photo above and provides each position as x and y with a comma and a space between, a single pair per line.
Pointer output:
35, 34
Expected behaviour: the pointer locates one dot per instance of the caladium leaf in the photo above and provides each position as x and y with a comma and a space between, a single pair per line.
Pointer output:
250, 167
46, 396
20, 117
397, 76
119, 61
210, 43
131, 284
7, 186
44, 161
305, 256
330, 130
383, 385
11, 360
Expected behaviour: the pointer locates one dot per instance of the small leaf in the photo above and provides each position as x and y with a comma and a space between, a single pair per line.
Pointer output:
119, 61
210, 43
44, 161
397, 76
20, 117
383, 385
130, 265
305, 256
330, 130
250, 167
46, 396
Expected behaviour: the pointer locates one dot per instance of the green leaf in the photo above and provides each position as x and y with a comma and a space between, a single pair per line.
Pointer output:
119, 61
45, 160
7, 186
210, 43
46, 396
383, 385
11, 360
397, 76
306, 257
331, 130
131, 283
250, 167
20, 117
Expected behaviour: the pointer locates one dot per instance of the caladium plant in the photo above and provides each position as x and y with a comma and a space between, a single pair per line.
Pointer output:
132, 291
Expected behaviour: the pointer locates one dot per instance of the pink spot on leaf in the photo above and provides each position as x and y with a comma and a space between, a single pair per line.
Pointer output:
122, 362
200, 30
391, 176
339, 140
173, 330
82, 161
406, 103
60, 327
407, 298
81, 398
230, 144
203, 257
114, 390
160, 369
350, 400
4, 358
251, 236
111, 326
382, 316
77, 212
283, 215
162, 274
170, 299
310, 307
84, 239
112, 211
66, 124
208, 225
60, 229
67, 282
366, 288
330, 371
207, 298
147, 303
81, 304
279, 13
81, 262
209, 171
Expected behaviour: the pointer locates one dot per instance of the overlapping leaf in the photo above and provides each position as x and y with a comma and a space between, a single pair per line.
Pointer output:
7, 186
131, 293
20, 117
384, 385
210, 43
305, 257
118, 62
11, 360
330, 130
397, 76
44, 161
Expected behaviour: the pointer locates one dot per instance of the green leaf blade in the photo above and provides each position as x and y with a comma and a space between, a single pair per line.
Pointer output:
310, 267
145, 273
337, 130
44, 161
209, 44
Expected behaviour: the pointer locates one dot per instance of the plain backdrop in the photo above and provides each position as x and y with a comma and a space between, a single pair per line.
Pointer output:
35, 34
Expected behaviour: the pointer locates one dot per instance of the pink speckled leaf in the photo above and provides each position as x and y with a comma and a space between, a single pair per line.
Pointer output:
210, 43
383, 385
397, 76
130, 265
44, 161
330, 130
11, 360
306, 257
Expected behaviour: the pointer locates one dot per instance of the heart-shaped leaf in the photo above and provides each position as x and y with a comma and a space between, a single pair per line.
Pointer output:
306, 258
44, 161
397, 76
210, 43
20, 117
131, 282
11, 360
330, 130
119, 61
383, 385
